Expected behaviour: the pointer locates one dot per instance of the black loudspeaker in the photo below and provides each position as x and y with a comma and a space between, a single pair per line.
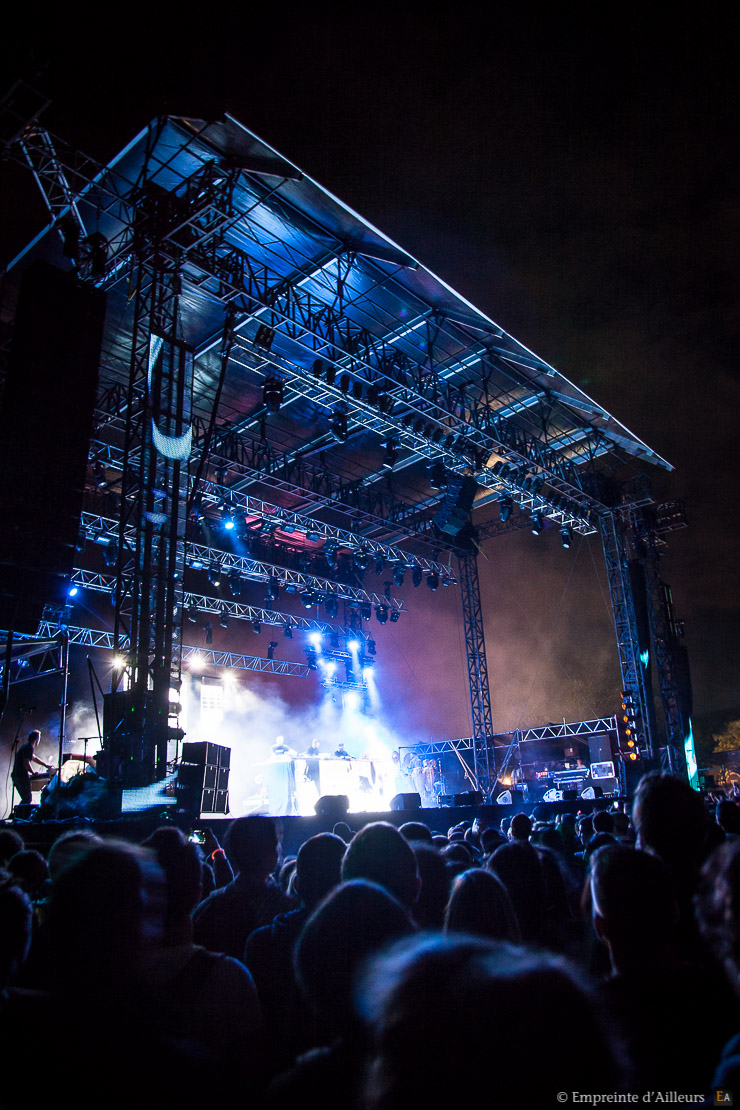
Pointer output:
470, 798
206, 754
405, 802
203, 778
600, 748
570, 795
332, 805
453, 513
45, 428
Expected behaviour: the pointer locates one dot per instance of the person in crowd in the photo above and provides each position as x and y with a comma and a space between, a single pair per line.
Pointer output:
349, 927
520, 828
490, 840
105, 914
10, 843
269, 950
30, 871
479, 905
670, 820
223, 921
381, 855
727, 816
416, 831
191, 987
16, 924
474, 1009
435, 878
343, 831
518, 867
650, 991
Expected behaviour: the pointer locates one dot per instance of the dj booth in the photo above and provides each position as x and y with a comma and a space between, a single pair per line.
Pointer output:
294, 785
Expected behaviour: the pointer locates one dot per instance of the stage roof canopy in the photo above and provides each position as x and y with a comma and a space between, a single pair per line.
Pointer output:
382, 369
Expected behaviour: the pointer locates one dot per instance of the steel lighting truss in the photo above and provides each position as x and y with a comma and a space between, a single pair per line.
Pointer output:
615, 540
246, 276
105, 531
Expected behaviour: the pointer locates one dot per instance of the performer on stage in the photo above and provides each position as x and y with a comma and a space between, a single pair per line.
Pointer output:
280, 779
21, 773
312, 771
341, 752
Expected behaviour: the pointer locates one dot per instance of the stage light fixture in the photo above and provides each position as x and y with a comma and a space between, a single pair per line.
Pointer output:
288, 631
370, 647
379, 564
394, 616
272, 394
381, 613
361, 560
505, 507
437, 476
338, 426
256, 627
391, 455
273, 588
110, 554
214, 574
566, 536
311, 658
398, 574
537, 524
263, 337
73, 590
366, 610
353, 645
208, 630
223, 619
331, 605
192, 613
308, 599
99, 474
432, 580
236, 585
416, 574
330, 554
344, 382
271, 649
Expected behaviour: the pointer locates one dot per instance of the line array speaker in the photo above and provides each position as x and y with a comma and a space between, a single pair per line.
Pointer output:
45, 428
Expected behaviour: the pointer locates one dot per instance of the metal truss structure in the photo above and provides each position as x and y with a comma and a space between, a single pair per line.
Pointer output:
278, 364
565, 731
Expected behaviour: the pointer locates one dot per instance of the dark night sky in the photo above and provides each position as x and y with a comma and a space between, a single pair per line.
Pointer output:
578, 183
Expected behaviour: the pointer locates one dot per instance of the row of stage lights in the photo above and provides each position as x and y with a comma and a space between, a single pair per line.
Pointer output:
505, 509
273, 393
358, 562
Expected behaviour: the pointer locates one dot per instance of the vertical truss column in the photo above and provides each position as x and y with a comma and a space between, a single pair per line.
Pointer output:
677, 754
480, 698
151, 536
616, 555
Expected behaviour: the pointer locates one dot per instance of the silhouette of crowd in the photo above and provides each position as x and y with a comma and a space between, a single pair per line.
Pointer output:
383, 969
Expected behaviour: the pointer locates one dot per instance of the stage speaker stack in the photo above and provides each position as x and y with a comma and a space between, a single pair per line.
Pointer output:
469, 798
45, 430
203, 778
454, 511
405, 802
332, 806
